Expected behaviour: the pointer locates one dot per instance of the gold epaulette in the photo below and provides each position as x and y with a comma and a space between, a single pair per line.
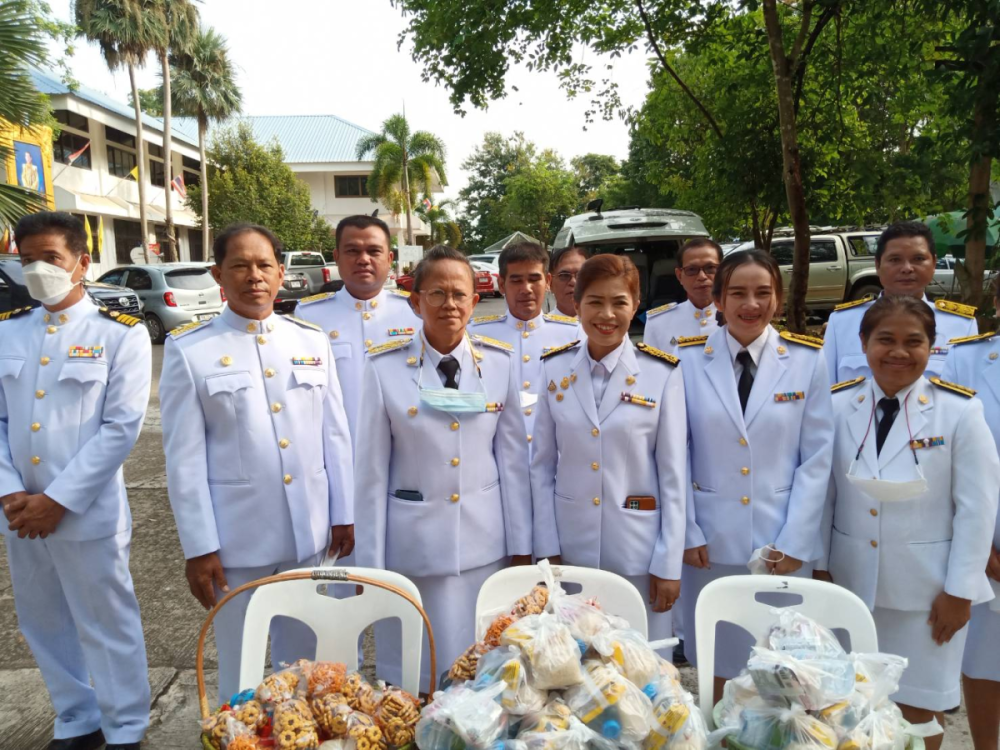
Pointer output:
661, 309
845, 384
400, 293
953, 387
126, 320
955, 308
560, 349
652, 351
495, 343
15, 312
316, 298
798, 338
388, 346
853, 303
304, 323
179, 331
488, 319
972, 339
691, 340
556, 318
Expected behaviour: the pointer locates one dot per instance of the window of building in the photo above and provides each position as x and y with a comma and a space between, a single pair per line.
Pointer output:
350, 186
157, 173
120, 163
195, 245
127, 236
117, 136
153, 150
72, 119
67, 143
193, 164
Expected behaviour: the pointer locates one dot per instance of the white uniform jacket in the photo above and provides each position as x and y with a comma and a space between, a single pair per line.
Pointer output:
976, 364
74, 387
761, 477
901, 555
589, 459
355, 326
842, 342
668, 323
530, 339
470, 469
256, 438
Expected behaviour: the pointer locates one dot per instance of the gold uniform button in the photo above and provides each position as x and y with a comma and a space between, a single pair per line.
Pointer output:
261, 340
36, 460
454, 462
358, 305
597, 501
874, 543
374, 304
861, 398
51, 329
923, 399
269, 373
454, 498
744, 471
36, 426
630, 380
993, 356
595, 432
529, 438
287, 479
704, 322
527, 384
275, 407
46, 317
595, 466
64, 318
367, 316
412, 411
334, 334
251, 327
873, 512
525, 335
270, 327
527, 412
745, 500
368, 343
454, 426
520, 325
559, 397
411, 360
284, 442
743, 441
39, 394
226, 361
44, 361
526, 358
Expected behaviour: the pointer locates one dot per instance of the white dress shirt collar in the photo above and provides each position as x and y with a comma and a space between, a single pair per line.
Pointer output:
246, 325
363, 305
524, 325
756, 347
434, 357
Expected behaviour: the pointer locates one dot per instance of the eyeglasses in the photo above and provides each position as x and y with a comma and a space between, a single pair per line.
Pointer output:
437, 297
566, 276
692, 271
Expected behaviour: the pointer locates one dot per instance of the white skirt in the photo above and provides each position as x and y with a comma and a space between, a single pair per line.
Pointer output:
450, 603
932, 680
982, 649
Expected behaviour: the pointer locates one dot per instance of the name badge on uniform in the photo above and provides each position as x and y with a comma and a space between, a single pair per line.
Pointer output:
400, 331
631, 398
307, 361
931, 442
494, 407
790, 396
86, 352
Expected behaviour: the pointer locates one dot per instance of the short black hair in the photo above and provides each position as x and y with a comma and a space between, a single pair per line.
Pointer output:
523, 252
904, 229
887, 305
53, 222
693, 244
558, 255
221, 244
435, 254
362, 221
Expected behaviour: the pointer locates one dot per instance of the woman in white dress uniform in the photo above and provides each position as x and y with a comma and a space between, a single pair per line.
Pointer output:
760, 431
914, 490
443, 495
975, 361
609, 471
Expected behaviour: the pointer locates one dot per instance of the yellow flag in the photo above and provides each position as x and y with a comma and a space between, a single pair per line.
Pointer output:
90, 239
134, 174
100, 234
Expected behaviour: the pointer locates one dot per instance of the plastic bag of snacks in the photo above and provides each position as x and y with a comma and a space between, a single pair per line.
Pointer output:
610, 705
294, 726
582, 616
280, 687
505, 665
360, 695
322, 677
532, 603
362, 729
554, 727
465, 665
877, 676
631, 653
784, 729
397, 716
331, 712
552, 652
218, 728
802, 637
738, 693
813, 682
677, 722
461, 716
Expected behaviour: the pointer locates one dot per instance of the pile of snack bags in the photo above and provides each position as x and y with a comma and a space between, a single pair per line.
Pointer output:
314, 706
802, 691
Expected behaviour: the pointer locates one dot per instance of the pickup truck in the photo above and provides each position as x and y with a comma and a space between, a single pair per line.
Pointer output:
841, 264
306, 273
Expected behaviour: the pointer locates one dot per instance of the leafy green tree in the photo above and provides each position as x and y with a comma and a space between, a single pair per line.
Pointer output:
594, 175
150, 100
205, 88
405, 162
126, 31
251, 182
444, 230
539, 197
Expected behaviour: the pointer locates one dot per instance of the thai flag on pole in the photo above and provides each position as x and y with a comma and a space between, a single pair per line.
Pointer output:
77, 154
178, 184
427, 203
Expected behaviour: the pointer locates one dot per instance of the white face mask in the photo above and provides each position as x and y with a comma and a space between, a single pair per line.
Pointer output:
47, 283
761, 557
885, 491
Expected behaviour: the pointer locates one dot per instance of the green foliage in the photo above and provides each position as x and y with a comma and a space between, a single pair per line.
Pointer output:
444, 230
595, 174
540, 197
251, 182
204, 80
150, 101
125, 30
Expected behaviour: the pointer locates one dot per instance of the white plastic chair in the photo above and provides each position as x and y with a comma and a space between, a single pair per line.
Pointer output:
616, 594
338, 623
733, 599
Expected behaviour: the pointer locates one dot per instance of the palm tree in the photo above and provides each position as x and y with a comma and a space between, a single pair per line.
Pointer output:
205, 87
404, 162
181, 18
126, 30
444, 229
20, 104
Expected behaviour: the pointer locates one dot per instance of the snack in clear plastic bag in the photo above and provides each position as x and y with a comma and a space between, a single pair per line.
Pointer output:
464, 667
552, 652
324, 677
610, 705
340, 744
461, 716
845, 715
397, 715
495, 630
554, 716
243, 742
877, 676
532, 603
278, 687
815, 683
784, 729
295, 727
215, 728
802, 637
631, 653
505, 664
330, 712
882, 729
360, 695
677, 722
555, 727
362, 729
251, 713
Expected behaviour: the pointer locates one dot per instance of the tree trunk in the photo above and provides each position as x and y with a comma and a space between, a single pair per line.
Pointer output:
792, 167
140, 150
980, 201
406, 200
168, 164
205, 230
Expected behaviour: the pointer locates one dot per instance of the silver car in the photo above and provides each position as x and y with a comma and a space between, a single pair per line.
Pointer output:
172, 293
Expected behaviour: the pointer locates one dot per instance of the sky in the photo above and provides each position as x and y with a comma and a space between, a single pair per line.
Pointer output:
340, 57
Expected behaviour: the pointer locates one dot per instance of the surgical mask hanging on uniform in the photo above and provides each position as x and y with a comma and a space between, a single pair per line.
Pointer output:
761, 557
47, 283
452, 399
887, 491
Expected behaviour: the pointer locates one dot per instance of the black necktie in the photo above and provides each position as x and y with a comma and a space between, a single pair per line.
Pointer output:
746, 378
889, 407
449, 368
